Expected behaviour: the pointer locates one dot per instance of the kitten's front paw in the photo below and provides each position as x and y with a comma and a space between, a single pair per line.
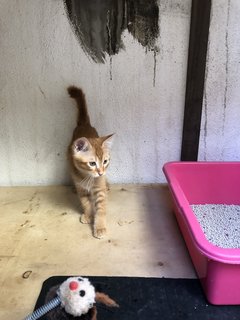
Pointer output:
99, 232
85, 219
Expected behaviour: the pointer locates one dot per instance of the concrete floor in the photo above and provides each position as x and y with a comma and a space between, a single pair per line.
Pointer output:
41, 236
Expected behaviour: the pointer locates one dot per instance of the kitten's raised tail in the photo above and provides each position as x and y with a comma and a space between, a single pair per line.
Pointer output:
78, 95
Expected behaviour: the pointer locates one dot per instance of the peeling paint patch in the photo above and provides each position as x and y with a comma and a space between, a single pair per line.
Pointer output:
99, 25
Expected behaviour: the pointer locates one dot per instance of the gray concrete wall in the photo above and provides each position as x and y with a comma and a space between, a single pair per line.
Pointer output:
135, 95
220, 129
40, 56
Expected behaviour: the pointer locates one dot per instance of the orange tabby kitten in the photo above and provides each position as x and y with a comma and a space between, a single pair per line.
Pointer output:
89, 157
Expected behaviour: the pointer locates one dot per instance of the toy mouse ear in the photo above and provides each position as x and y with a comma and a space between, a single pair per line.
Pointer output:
81, 145
108, 141
105, 299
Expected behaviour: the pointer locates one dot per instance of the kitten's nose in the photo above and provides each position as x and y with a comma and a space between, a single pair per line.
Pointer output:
100, 173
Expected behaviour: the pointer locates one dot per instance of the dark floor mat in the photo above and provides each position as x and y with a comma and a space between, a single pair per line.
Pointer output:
145, 299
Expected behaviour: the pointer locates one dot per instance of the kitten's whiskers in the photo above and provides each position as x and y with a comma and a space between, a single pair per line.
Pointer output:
86, 183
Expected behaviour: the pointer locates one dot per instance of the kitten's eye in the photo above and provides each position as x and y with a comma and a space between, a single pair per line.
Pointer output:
92, 164
105, 161
82, 293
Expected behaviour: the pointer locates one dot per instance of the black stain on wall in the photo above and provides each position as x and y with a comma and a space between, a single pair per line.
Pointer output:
99, 24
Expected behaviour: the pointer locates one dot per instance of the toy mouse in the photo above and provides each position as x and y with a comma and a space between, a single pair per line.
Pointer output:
78, 297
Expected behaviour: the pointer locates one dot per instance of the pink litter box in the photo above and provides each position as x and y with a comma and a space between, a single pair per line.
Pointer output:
207, 183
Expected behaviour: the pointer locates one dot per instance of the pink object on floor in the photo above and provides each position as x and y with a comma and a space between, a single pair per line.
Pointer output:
207, 183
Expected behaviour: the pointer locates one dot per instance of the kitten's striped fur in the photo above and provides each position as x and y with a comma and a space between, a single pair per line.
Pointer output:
89, 157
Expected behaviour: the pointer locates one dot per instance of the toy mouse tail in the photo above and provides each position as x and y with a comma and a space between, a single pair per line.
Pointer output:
105, 299
44, 309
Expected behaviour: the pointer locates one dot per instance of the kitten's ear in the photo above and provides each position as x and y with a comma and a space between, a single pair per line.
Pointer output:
108, 141
81, 145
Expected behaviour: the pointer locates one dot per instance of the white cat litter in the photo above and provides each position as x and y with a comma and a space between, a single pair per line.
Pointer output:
220, 223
